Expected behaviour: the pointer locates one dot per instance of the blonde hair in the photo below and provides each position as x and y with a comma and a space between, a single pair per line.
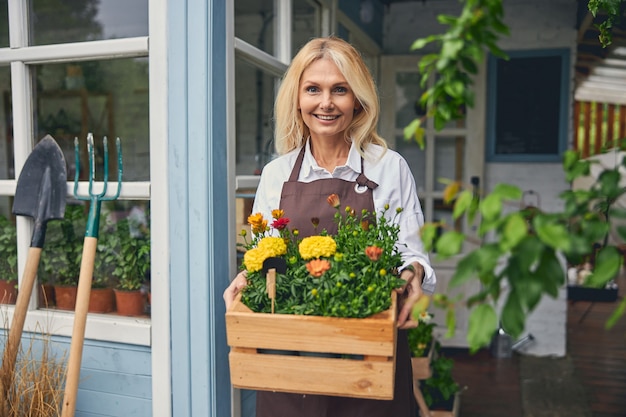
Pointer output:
291, 132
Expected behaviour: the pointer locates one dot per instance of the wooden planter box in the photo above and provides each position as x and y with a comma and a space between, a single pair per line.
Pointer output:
268, 353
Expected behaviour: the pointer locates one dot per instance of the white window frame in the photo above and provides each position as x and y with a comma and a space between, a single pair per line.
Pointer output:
21, 57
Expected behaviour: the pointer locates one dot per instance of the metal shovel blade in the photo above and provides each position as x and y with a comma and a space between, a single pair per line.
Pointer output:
42, 187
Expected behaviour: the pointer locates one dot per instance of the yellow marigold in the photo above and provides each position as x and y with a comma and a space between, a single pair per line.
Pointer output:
278, 213
317, 247
253, 259
317, 267
273, 246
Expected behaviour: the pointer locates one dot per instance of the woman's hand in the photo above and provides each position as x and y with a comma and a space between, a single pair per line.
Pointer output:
235, 288
409, 294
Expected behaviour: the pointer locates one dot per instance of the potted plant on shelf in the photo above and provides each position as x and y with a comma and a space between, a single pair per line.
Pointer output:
132, 266
62, 255
440, 390
422, 345
102, 296
8, 261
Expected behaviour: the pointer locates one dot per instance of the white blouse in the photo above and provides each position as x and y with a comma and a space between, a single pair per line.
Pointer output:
396, 187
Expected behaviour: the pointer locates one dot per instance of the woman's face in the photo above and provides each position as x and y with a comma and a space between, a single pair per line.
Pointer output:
325, 100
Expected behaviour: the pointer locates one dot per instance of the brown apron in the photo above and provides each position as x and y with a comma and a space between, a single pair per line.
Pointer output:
301, 201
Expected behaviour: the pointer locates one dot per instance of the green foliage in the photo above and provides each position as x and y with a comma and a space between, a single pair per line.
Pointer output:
421, 337
613, 10
523, 249
130, 256
460, 49
441, 386
8, 250
62, 251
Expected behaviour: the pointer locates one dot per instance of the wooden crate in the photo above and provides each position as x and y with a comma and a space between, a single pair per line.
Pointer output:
267, 353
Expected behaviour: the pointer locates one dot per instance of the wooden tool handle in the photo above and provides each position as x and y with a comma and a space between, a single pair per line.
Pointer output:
80, 321
19, 316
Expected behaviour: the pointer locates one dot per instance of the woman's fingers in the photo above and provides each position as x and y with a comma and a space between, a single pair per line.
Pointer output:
234, 288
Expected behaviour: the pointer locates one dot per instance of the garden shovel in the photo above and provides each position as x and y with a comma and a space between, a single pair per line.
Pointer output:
40, 194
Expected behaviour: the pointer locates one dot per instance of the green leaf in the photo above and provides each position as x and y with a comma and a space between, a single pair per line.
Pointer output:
550, 272
449, 244
608, 263
513, 316
465, 269
462, 204
409, 130
483, 322
507, 192
491, 207
515, 230
552, 234
428, 233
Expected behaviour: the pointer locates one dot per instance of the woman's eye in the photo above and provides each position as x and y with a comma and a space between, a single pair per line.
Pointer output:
311, 89
341, 90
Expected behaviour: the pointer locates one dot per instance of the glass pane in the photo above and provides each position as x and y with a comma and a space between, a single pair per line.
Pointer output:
4, 24
59, 21
7, 168
254, 101
448, 160
8, 252
107, 98
254, 23
416, 159
122, 259
408, 92
306, 23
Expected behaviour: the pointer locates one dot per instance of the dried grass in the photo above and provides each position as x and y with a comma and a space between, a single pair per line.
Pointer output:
37, 388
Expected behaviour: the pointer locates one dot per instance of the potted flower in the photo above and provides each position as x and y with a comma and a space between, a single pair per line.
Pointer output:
422, 345
440, 390
102, 296
8, 261
132, 266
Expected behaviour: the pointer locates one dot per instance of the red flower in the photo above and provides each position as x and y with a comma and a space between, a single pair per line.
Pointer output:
317, 267
373, 252
280, 223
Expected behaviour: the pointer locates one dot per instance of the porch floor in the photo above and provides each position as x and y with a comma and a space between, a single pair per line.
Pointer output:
590, 381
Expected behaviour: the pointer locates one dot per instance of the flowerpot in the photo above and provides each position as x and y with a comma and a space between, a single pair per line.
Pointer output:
101, 300
65, 296
46, 296
582, 293
421, 365
259, 341
450, 408
130, 303
8, 292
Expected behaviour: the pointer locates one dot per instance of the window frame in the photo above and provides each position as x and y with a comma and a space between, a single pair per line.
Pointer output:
563, 118
21, 57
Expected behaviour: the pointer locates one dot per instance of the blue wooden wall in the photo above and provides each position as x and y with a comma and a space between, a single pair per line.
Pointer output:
115, 379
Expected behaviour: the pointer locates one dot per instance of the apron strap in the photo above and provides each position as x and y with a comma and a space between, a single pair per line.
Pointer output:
362, 180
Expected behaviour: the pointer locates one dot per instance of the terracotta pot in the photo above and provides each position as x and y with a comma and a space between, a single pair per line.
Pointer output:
101, 300
130, 303
46, 296
8, 292
65, 296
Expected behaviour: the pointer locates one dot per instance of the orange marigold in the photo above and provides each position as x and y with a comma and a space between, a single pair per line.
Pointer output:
258, 223
333, 200
373, 252
317, 267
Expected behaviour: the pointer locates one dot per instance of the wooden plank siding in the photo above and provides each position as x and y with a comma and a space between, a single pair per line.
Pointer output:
115, 379
598, 127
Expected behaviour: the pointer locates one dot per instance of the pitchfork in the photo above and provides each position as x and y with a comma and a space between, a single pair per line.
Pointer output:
87, 263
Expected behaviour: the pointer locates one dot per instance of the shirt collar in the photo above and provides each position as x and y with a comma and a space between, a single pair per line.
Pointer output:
309, 164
